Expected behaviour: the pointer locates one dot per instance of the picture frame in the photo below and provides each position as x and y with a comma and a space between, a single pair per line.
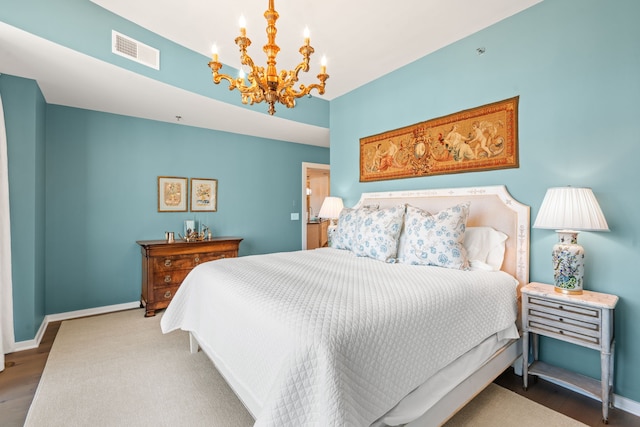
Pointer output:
479, 139
172, 194
204, 195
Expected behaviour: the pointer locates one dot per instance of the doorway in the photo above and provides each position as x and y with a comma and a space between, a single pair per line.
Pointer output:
316, 185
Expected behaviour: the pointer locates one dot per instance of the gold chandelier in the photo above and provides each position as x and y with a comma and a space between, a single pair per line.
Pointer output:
269, 86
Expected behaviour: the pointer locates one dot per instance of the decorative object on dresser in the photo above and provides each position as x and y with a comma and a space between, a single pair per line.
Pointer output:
568, 210
585, 319
165, 265
172, 194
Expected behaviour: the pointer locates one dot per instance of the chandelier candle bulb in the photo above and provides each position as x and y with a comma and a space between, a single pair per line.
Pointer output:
243, 26
214, 53
306, 36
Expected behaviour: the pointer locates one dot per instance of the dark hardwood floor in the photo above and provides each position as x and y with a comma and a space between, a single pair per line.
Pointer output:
19, 380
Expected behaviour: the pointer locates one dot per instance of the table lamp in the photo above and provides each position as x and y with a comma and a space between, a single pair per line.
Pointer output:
569, 210
330, 209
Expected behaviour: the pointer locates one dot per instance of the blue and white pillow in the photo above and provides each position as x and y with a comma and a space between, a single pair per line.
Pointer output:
377, 233
344, 234
435, 239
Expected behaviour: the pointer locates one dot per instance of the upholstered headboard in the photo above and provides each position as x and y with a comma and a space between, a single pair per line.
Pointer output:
490, 206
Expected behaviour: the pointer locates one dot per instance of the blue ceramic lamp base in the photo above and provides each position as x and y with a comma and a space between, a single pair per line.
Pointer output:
568, 263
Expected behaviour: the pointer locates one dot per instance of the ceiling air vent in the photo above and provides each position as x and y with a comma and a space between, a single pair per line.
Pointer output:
134, 50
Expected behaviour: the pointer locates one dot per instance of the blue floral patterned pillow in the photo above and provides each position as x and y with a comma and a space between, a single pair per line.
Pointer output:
344, 234
377, 233
435, 239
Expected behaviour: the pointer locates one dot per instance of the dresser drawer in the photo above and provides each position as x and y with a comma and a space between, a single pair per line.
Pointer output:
559, 319
169, 277
164, 294
179, 262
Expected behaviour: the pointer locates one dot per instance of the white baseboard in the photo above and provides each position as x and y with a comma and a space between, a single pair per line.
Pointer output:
34, 343
627, 405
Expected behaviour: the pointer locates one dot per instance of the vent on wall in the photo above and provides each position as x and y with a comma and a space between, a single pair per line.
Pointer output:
134, 50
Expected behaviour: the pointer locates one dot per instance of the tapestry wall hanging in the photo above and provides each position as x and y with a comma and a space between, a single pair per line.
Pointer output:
478, 139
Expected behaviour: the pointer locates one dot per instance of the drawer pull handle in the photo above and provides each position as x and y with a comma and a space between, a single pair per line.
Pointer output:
561, 307
222, 256
167, 294
561, 332
167, 278
561, 319
197, 259
167, 263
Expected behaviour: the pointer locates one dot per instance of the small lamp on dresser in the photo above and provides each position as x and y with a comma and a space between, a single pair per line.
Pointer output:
569, 210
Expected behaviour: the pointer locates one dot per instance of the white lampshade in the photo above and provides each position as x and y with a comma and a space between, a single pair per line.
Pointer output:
331, 207
570, 208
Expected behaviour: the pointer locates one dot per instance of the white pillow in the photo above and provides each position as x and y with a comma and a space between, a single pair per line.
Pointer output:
485, 247
435, 239
377, 232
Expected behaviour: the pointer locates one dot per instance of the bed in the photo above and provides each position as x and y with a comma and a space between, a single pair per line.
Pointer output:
374, 334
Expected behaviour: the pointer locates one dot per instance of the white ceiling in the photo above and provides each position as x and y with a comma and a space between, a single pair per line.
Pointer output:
361, 40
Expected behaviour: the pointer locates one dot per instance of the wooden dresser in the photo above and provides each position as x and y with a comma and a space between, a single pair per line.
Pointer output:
165, 265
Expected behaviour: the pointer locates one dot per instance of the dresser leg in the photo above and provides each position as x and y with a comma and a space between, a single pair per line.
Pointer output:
149, 313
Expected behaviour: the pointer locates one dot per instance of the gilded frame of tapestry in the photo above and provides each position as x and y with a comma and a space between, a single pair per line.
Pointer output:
479, 139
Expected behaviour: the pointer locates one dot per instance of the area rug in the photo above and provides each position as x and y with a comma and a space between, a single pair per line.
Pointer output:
119, 369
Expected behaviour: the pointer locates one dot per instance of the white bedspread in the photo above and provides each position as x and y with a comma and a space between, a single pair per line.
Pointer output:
325, 338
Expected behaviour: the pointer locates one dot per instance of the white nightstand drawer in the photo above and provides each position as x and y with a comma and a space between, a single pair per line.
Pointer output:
564, 309
558, 329
560, 319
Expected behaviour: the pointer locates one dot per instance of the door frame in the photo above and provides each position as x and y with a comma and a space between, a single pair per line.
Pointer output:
303, 218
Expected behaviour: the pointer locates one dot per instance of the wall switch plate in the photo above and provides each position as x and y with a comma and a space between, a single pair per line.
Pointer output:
295, 216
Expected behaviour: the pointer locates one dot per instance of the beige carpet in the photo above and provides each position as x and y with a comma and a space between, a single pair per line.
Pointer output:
120, 370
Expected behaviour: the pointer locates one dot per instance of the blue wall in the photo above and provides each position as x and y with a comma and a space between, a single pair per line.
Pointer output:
101, 196
575, 65
24, 110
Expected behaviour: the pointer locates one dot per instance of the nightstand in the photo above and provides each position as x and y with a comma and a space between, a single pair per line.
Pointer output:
586, 320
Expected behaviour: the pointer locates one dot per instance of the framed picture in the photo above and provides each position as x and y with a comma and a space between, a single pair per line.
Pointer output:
172, 194
204, 195
479, 139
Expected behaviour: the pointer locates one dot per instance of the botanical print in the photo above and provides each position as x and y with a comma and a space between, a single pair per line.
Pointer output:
172, 194
482, 138
204, 194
